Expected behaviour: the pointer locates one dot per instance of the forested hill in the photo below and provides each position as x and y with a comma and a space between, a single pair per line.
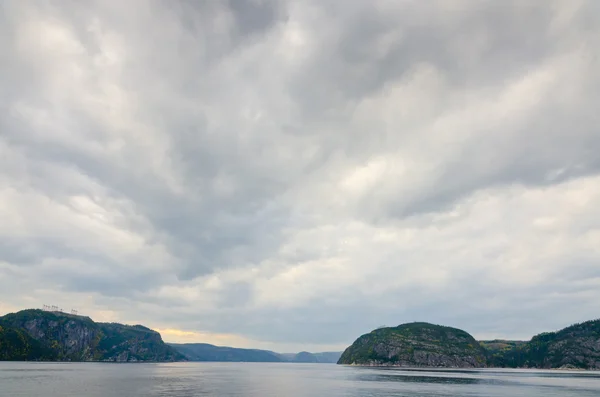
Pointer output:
428, 345
55, 336
577, 346
416, 345
207, 352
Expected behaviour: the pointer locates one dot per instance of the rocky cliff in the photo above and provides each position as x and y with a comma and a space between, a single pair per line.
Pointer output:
41, 335
416, 345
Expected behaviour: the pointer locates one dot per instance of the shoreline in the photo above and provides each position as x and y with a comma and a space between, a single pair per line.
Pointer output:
421, 368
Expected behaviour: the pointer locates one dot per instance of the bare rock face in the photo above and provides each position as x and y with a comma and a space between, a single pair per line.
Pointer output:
69, 338
416, 345
66, 337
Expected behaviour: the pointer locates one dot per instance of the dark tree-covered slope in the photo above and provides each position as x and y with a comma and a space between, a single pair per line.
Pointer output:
416, 345
42, 335
577, 346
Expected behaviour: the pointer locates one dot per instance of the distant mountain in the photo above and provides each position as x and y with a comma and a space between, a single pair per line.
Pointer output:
207, 352
56, 336
416, 345
577, 346
500, 345
306, 357
328, 357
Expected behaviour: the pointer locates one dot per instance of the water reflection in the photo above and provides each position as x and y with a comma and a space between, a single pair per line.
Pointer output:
398, 377
275, 380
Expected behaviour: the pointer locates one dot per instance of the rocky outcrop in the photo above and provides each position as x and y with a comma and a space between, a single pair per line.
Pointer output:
416, 345
65, 337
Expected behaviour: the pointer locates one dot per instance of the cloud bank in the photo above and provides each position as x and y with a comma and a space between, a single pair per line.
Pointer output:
289, 175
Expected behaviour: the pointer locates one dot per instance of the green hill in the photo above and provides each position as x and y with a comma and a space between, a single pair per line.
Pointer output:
428, 345
577, 346
416, 345
41, 335
497, 349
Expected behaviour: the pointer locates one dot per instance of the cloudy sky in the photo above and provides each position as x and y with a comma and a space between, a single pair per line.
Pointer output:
290, 175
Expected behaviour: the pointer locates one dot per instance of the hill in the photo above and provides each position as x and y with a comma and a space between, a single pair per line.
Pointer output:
416, 345
207, 352
500, 345
577, 346
497, 349
41, 335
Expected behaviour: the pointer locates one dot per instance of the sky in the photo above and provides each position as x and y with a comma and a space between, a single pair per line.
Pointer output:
290, 175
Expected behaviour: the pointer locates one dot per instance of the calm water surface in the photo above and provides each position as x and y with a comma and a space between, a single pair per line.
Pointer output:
277, 380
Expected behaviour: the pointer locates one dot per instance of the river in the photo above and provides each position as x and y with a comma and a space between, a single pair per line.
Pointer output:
280, 380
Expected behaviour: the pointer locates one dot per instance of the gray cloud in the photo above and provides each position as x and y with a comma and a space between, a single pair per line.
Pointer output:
297, 173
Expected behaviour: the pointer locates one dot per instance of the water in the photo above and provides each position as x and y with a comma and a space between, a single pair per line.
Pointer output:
280, 380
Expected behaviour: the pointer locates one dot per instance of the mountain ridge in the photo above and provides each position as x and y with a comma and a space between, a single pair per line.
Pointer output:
212, 353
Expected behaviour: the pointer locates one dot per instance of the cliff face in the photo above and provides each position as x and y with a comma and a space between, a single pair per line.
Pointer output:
59, 336
416, 345
134, 343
